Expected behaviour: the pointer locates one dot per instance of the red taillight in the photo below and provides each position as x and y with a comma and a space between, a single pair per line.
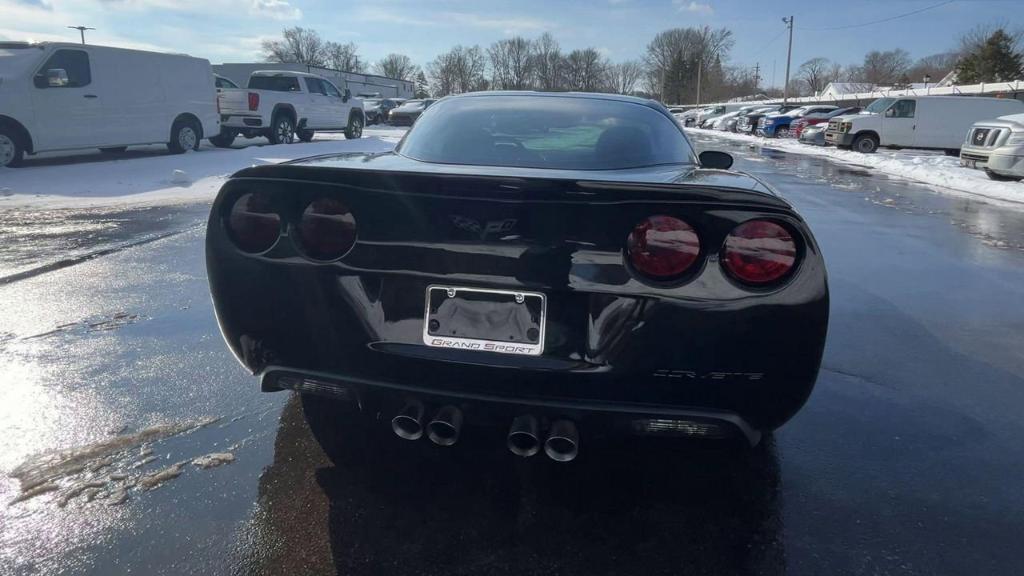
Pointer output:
662, 247
254, 101
759, 252
327, 229
253, 223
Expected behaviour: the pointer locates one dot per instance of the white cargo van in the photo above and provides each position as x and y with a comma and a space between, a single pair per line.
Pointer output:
935, 122
57, 96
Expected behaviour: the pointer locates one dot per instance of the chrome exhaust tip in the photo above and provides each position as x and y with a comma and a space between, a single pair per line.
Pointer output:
524, 436
408, 424
563, 443
444, 429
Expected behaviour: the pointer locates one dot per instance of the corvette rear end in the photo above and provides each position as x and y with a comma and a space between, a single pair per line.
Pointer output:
556, 304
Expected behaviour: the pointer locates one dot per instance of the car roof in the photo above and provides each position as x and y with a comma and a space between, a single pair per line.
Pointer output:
580, 95
284, 73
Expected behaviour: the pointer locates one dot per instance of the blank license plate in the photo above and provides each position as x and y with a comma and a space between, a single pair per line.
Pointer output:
503, 321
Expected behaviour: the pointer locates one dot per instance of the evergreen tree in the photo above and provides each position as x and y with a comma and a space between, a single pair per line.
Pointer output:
422, 87
992, 61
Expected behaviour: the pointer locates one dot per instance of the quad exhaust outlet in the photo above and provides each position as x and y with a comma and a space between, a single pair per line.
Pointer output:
563, 443
524, 436
444, 429
408, 424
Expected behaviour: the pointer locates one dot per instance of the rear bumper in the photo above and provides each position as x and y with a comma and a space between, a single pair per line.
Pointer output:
482, 409
241, 121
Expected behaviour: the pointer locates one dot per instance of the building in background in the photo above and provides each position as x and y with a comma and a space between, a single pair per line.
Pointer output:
356, 82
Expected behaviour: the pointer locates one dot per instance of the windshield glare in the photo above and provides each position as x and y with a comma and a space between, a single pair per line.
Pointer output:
568, 133
879, 106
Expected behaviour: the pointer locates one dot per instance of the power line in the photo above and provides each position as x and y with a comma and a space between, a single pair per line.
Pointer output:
889, 19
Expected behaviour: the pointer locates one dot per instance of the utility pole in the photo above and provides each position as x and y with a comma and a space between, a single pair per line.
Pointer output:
700, 64
81, 30
757, 75
789, 56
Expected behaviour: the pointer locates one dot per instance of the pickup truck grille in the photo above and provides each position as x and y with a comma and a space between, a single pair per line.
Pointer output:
983, 137
975, 157
838, 126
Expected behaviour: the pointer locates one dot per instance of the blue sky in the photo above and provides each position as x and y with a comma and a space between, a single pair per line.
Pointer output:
231, 30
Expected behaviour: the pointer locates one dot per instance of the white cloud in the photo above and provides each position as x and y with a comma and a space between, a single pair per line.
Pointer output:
276, 9
694, 7
506, 25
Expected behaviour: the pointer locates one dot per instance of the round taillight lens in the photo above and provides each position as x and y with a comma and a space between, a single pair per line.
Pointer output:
327, 229
253, 223
662, 247
759, 252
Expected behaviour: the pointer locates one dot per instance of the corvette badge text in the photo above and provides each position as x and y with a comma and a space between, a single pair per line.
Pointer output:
502, 347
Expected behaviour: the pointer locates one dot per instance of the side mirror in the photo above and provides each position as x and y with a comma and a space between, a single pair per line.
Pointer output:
347, 95
715, 159
54, 78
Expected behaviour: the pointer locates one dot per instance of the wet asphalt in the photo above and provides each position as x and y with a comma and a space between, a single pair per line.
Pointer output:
907, 459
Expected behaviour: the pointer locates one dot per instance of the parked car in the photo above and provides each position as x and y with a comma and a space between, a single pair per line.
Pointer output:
997, 147
409, 111
748, 124
721, 122
387, 105
930, 122
798, 125
733, 123
371, 110
283, 105
777, 125
560, 266
690, 117
714, 111
813, 134
222, 82
58, 96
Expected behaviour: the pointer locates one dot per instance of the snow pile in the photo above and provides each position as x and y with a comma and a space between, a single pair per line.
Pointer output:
943, 172
148, 175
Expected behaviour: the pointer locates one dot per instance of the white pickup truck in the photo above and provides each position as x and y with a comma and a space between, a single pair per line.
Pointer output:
284, 105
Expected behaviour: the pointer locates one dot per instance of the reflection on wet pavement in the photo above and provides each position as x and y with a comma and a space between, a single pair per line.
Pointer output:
388, 506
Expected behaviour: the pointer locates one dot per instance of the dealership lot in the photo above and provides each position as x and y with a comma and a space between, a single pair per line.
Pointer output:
921, 380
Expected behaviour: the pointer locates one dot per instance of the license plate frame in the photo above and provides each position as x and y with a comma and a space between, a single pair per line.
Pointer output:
444, 305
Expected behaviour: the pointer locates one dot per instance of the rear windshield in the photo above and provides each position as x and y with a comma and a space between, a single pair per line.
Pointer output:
274, 83
568, 133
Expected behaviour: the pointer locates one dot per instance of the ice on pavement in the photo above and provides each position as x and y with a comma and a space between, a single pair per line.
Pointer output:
151, 176
52, 466
928, 167
213, 460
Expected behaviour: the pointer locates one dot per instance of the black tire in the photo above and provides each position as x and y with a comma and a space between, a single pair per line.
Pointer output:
306, 135
223, 140
12, 149
354, 129
954, 152
1000, 178
114, 149
782, 132
186, 134
865, 144
282, 129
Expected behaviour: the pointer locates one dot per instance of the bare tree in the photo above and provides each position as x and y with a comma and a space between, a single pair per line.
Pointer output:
584, 70
458, 70
814, 73
511, 64
298, 46
884, 67
547, 63
624, 77
937, 66
675, 56
396, 66
343, 57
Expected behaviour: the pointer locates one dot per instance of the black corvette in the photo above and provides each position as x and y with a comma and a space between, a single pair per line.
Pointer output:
556, 265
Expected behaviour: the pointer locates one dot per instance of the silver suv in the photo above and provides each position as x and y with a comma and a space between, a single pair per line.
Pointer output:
997, 147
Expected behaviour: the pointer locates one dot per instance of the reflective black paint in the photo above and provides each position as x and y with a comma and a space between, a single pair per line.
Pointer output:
613, 339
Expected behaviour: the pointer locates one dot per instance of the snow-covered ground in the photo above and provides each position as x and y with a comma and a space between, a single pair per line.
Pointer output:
933, 168
150, 176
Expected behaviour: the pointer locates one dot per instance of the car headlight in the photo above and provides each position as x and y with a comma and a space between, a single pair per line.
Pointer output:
1015, 139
